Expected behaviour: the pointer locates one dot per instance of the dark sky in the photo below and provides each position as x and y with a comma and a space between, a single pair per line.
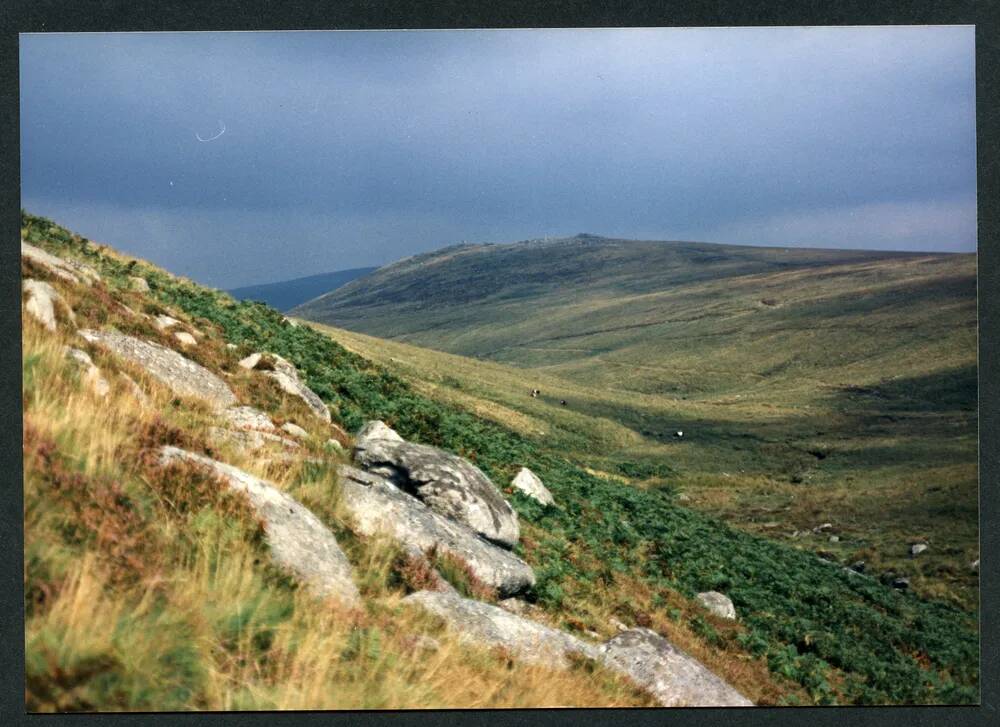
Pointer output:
348, 149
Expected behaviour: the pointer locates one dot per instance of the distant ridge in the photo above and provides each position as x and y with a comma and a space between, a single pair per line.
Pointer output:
286, 294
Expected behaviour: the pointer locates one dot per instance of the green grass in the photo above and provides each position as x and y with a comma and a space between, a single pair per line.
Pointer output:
831, 636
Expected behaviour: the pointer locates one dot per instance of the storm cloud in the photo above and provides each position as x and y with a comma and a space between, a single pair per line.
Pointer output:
348, 149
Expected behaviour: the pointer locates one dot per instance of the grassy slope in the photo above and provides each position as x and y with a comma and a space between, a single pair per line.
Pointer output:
811, 386
809, 632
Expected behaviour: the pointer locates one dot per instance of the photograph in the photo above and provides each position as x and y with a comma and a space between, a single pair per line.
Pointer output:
511, 368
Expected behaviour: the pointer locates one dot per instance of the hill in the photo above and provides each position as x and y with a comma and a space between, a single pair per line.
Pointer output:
811, 386
150, 587
286, 294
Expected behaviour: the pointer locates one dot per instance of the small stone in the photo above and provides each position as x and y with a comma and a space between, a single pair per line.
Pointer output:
917, 548
834, 538
163, 323
295, 430
138, 284
251, 361
617, 625
823, 528
718, 603
527, 482
185, 338
334, 445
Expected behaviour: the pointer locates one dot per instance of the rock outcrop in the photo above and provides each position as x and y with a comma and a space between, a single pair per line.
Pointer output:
528, 482
91, 374
181, 375
41, 301
447, 483
287, 376
185, 338
667, 673
378, 507
250, 439
294, 430
139, 285
672, 677
69, 270
484, 624
298, 541
718, 603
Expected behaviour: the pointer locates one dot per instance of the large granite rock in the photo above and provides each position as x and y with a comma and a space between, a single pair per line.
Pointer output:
378, 507
41, 301
298, 541
487, 625
68, 270
674, 678
181, 375
447, 483
528, 482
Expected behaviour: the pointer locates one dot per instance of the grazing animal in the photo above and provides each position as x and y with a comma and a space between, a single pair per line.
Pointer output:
563, 402
535, 393
678, 434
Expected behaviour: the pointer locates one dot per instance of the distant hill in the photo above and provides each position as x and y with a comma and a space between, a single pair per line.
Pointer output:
286, 294
675, 318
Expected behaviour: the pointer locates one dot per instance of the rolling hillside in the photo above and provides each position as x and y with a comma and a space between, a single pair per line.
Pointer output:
811, 386
287, 294
156, 588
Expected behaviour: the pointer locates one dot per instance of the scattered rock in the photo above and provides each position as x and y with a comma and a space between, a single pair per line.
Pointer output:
251, 361
917, 548
181, 375
718, 603
137, 392
834, 538
617, 625
684, 497
139, 285
164, 323
447, 483
342, 437
378, 507
68, 270
334, 445
901, 584
185, 338
247, 417
376, 430
422, 642
41, 303
288, 379
527, 482
231, 346
487, 625
295, 430
770, 525
297, 540
517, 606
91, 374
250, 439
825, 527
667, 673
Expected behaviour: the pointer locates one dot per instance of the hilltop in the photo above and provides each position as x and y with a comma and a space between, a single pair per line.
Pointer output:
197, 536
286, 294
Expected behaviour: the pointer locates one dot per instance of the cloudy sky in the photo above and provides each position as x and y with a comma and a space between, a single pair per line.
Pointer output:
348, 149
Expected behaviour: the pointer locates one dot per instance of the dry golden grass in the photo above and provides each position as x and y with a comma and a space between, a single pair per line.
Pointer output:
201, 620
